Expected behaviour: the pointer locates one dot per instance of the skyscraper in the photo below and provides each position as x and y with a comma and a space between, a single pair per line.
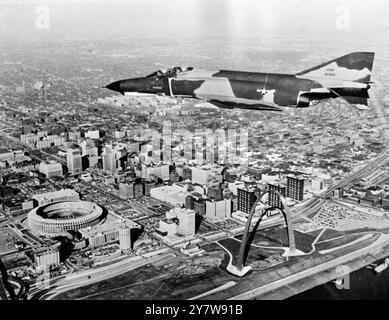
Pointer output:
187, 222
109, 159
246, 199
295, 188
74, 161
218, 210
215, 192
199, 207
274, 200
138, 190
47, 256
125, 238
187, 173
189, 202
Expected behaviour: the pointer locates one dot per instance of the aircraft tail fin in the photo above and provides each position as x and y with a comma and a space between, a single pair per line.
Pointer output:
356, 66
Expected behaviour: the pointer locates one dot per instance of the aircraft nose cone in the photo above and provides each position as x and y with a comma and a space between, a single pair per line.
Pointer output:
114, 86
139, 85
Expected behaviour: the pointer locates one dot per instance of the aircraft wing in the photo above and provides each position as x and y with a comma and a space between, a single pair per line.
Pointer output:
261, 106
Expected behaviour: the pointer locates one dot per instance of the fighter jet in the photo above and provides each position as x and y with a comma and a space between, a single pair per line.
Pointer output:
347, 77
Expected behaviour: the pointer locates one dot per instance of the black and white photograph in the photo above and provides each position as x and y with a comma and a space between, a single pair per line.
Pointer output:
194, 153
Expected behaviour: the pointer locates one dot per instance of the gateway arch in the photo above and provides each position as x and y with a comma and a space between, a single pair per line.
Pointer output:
287, 216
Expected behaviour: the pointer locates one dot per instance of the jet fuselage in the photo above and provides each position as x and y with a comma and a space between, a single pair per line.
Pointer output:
260, 91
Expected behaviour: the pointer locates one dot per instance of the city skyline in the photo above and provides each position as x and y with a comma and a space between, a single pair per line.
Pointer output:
125, 177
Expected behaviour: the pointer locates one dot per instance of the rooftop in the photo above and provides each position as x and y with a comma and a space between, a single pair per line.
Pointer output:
108, 227
55, 194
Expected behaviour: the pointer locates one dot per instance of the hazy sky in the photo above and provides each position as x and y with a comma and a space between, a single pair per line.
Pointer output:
74, 19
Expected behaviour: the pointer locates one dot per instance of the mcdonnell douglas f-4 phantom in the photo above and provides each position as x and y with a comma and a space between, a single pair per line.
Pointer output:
347, 77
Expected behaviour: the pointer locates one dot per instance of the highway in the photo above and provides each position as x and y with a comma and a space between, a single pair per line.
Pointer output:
83, 278
315, 203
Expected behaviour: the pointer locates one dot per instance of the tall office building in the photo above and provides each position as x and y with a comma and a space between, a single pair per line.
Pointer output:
199, 207
148, 185
189, 148
274, 200
156, 151
215, 192
218, 210
317, 184
74, 161
88, 148
246, 199
113, 159
110, 159
138, 190
189, 202
187, 173
187, 222
295, 188
125, 238
47, 256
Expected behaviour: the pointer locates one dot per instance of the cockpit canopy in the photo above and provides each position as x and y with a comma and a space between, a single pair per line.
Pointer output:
169, 72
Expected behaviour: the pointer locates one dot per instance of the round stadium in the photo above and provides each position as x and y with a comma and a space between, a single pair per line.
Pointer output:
55, 219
